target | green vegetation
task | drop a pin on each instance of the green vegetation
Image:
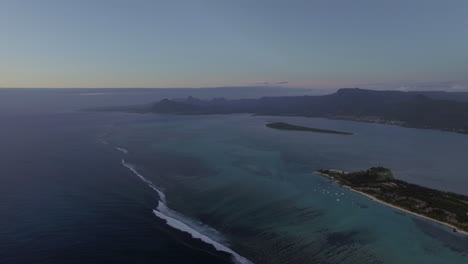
(286, 126)
(372, 175)
(380, 183)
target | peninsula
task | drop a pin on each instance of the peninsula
(380, 185)
(286, 126)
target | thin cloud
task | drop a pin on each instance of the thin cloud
(269, 83)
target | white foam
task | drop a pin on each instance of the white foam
(179, 225)
(124, 151)
(162, 197)
(182, 223)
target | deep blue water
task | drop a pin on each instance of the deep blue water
(65, 196)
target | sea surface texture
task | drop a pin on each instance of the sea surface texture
(95, 187)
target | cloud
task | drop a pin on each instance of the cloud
(268, 83)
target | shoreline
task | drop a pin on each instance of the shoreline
(291, 127)
(454, 228)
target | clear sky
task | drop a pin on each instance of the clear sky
(191, 43)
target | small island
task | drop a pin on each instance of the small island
(380, 185)
(286, 126)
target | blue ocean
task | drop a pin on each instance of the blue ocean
(101, 187)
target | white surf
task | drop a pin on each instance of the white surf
(182, 223)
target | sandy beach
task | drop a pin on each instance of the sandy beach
(394, 206)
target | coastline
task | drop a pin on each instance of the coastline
(291, 127)
(388, 123)
(395, 123)
(456, 229)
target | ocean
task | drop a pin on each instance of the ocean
(99, 187)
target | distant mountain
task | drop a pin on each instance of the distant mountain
(409, 109)
(440, 95)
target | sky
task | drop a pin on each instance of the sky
(382, 44)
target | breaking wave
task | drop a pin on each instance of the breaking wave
(124, 151)
(183, 223)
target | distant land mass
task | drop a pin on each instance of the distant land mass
(286, 126)
(433, 110)
(379, 184)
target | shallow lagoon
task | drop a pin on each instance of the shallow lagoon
(255, 185)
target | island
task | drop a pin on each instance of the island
(380, 185)
(427, 110)
(286, 126)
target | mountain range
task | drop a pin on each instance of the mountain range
(436, 110)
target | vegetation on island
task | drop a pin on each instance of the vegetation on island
(435, 110)
(286, 126)
(380, 183)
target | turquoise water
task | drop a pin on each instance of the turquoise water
(65, 196)
(253, 189)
